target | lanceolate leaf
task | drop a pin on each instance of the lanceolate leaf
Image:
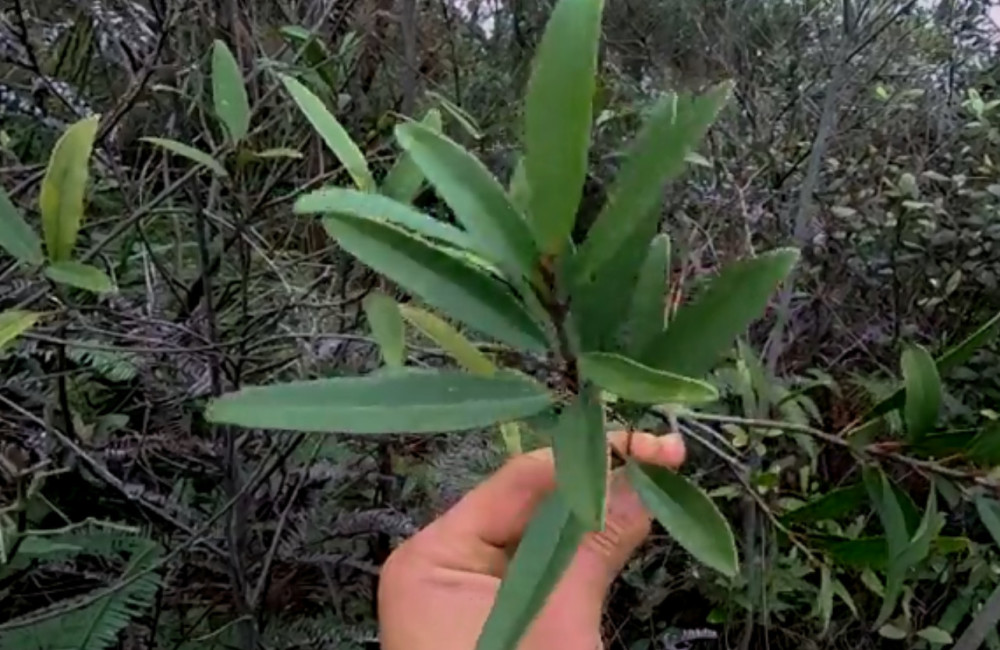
(638, 383)
(16, 236)
(984, 448)
(404, 180)
(406, 401)
(989, 514)
(923, 392)
(518, 189)
(443, 281)
(546, 549)
(335, 200)
(952, 358)
(79, 275)
(558, 116)
(228, 92)
(834, 504)
(474, 195)
(598, 301)
(314, 53)
(64, 187)
(333, 134)
(687, 514)
(706, 327)
(14, 323)
(675, 125)
(646, 318)
(387, 327)
(889, 512)
(451, 340)
(580, 448)
(196, 156)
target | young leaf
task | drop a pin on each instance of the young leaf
(598, 301)
(333, 134)
(546, 549)
(64, 187)
(580, 448)
(228, 92)
(989, 514)
(474, 195)
(386, 324)
(405, 401)
(405, 180)
(451, 340)
(704, 328)
(935, 635)
(196, 156)
(336, 200)
(510, 433)
(457, 113)
(649, 301)
(675, 125)
(923, 391)
(79, 275)
(14, 323)
(440, 279)
(558, 116)
(518, 190)
(16, 236)
(687, 513)
(638, 383)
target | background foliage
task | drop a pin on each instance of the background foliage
(861, 132)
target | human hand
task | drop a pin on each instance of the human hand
(438, 587)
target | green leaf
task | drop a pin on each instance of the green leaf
(335, 200)
(647, 318)
(892, 632)
(834, 504)
(518, 189)
(229, 94)
(79, 275)
(825, 598)
(635, 382)
(599, 301)
(457, 113)
(64, 188)
(923, 391)
(558, 117)
(952, 358)
(386, 324)
(478, 200)
(314, 53)
(543, 554)
(405, 180)
(704, 328)
(196, 156)
(14, 323)
(440, 279)
(332, 133)
(278, 152)
(450, 339)
(687, 513)
(580, 448)
(16, 236)
(405, 401)
(985, 446)
(935, 635)
(674, 127)
(989, 514)
(891, 515)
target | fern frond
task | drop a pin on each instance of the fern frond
(114, 366)
(96, 625)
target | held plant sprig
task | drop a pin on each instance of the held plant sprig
(509, 271)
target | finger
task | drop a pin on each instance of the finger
(499, 510)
